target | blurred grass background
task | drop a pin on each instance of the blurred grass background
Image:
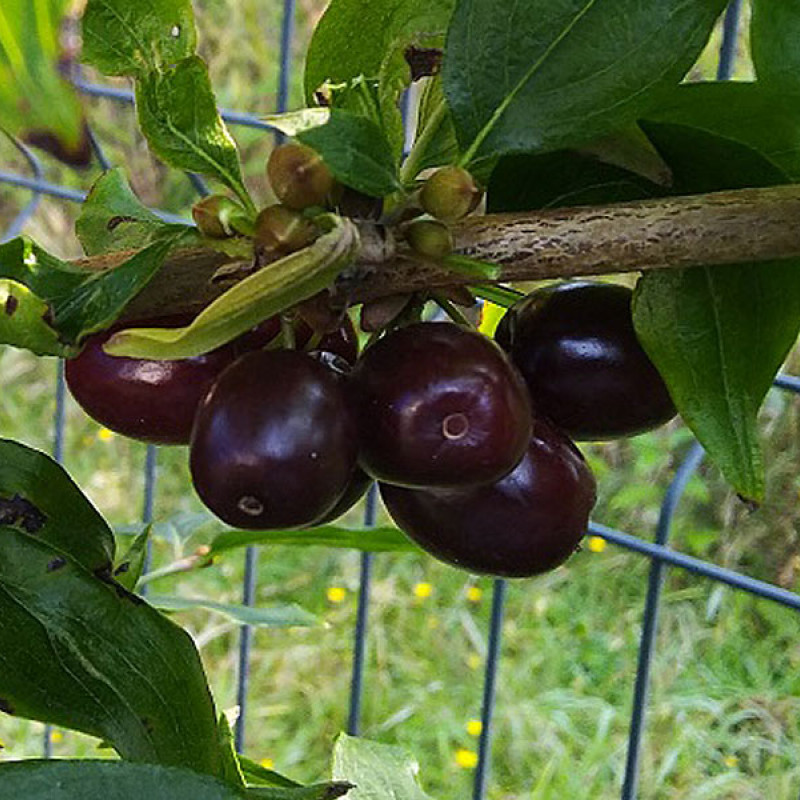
(724, 718)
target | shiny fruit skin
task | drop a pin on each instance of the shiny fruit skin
(439, 405)
(280, 231)
(576, 347)
(274, 443)
(526, 523)
(153, 401)
(356, 489)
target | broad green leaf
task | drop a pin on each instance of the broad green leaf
(293, 122)
(376, 540)
(763, 119)
(121, 37)
(230, 770)
(775, 43)
(561, 179)
(548, 74)
(80, 651)
(72, 302)
(279, 616)
(108, 780)
(356, 151)
(379, 771)
(39, 498)
(34, 97)
(130, 566)
(178, 116)
(112, 217)
(256, 774)
(353, 37)
(102, 296)
(718, 335)
(24, 321)
(268, 291)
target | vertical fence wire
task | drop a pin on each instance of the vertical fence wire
(650, 624)
(251, 553)
(490, 690)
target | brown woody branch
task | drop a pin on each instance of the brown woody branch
(721, 228)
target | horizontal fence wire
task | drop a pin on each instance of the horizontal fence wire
(658, 551)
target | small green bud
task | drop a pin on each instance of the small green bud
(280, 230)
(299, 176)
(219, 217)
(450, 194)
(429, 238)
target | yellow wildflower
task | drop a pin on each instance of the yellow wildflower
(336, 594)
(466, 759)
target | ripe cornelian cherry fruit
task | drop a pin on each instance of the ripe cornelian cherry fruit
(274, 443)
(153, 401)
(439, 405)
(576, 347)
(526, 523)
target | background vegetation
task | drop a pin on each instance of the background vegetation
(724, 718)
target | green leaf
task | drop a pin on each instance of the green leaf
(562, 179)
(24, 321)
(383, 539)
(108, 780)
(262, 776)
(291, 123)
(130, 566)
(39, 498)
(34, 97)
(379, 771)
(102, 296)
(353, 37)
(80, 651)
(548, 74)
(132, 38)
(356, 152)
(178, 116)
(763, 119)
(282, 616)
(70, 302)
(268, 291)
(112, 217)
(775, 43)
(718, 335)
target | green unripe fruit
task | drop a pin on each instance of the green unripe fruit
(429, 238)
(280, 231)
(299, 176)
(450, 194)
(219, 217)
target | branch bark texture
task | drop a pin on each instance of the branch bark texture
(749, 225)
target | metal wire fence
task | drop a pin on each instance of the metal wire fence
(661, 555)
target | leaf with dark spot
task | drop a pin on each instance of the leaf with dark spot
(56, 563)
(18, 512)
(12, 304)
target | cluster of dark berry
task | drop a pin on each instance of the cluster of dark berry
(467, 438)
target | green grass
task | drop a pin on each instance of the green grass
(724, 713)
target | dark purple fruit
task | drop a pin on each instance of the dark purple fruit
(274, 443)
(576, 347)
(154, 401)
(355, 490)
(439, 405)
(526, 523)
